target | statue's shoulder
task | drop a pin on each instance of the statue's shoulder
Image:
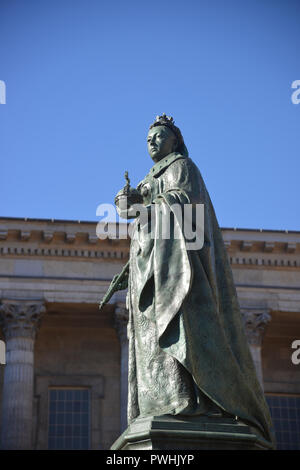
(186, 174)
(183, 163)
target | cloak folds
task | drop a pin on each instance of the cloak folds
(187, 346)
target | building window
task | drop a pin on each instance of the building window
(69, 418)
(285, 413)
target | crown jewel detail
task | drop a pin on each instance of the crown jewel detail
(164, 119)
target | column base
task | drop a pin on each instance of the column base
(169, 432)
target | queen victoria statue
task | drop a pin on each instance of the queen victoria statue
(189, 361)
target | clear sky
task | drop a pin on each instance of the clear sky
(85, 78)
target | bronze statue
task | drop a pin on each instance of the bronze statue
(188, 354)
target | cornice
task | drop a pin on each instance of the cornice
(61, 239)
(264, 250)
(262, 246)
(57, 238)
(77, 252)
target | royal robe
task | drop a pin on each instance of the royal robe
(188, 353)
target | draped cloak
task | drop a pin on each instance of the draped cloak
(188, 353)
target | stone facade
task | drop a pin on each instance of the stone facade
(53, 275)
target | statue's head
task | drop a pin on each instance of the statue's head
(164, 138)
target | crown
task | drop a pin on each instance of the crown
(164, 120)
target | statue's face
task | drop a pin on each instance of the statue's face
(160, 142)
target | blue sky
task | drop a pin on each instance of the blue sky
(85, 79)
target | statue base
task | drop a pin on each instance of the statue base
(169, 432)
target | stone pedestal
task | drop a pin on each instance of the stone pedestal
(194, 433)
(19, 321)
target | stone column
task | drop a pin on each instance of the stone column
(121, 320)
(255, 322)
(19, 322)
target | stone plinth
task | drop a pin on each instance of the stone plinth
(194, 433)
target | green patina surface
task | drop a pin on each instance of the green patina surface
(188, 354)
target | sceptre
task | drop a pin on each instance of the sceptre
(119, 279)
(115, 285)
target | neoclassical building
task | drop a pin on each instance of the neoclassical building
(64, 381)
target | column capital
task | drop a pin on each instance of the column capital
(255, 322)
(20, 318)
(121, 320)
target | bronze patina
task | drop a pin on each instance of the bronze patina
(188, 353)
